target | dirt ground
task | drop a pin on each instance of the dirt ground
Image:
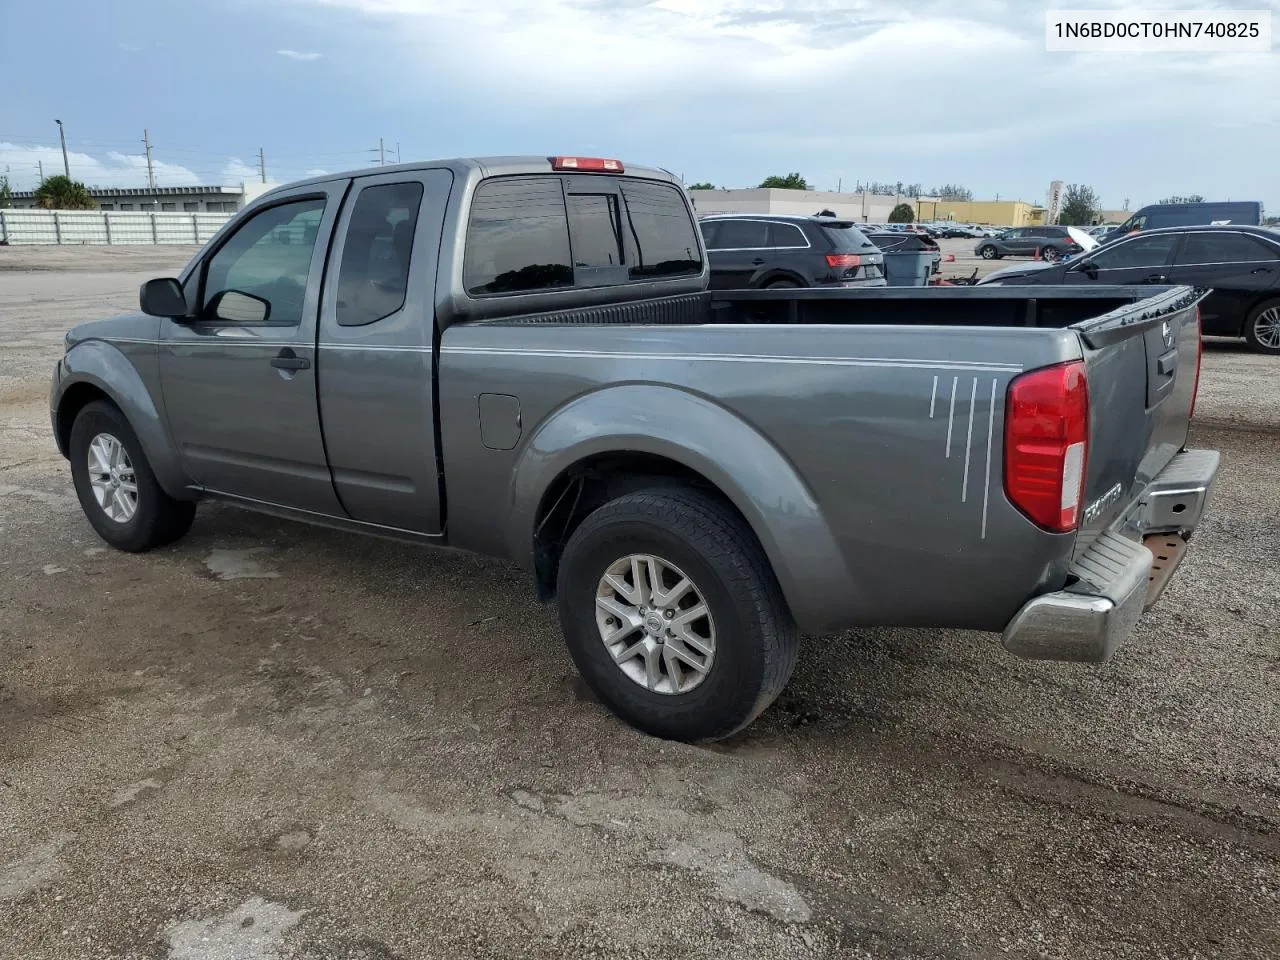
(274, 741)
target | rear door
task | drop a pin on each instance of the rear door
(376, 345)
(742, 248)
(239, 378)
(1018, 241)
(1238, 267)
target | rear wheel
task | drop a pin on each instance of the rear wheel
(781, 285)
(673, 615)
(1262, 329)
(118, 492)
(988, 252)
(1051, 254)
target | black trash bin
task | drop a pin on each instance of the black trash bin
(908, 259)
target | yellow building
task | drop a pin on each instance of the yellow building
(999, 213)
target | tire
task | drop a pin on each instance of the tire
(155, 518)
(753, 640)
(1262, 328)
(781, 285)
(989, 252)
(1050, 254)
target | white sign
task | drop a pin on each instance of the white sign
(1053, 202)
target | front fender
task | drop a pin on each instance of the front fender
(717, 444)
(103, 366)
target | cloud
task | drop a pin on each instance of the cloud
(297, 55)
(112, 170)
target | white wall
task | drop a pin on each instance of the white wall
(107, 226)
(865, 208)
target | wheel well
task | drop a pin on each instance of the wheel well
(591, 483)
(775, 275)
(77, 397)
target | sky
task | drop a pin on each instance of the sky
(727, 91)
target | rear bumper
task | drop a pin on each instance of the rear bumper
(1118, 577)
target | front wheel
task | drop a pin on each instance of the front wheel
(1262, 329)
(118, 492)
(673, 615)
(988, 252)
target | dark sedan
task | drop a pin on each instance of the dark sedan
(1240, 263)
(1053, 244)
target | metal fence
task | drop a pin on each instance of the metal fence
(107, 227)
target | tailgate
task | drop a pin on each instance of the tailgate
(1142, 362)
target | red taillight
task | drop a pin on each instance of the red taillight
(1195, 391)
(1046, 444)
(843, 260)
(586, 164)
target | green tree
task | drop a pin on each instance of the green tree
(792, 181)
(902, 213)
(1193, 198)
(63, 193)
(702, 185)
(1080, 206)
(6, 195)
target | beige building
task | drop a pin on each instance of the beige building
(862, 207)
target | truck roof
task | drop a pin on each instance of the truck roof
(484, 166)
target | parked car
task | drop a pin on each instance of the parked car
(1154, 216)
(766, 250)
(1240, 264)
(952, 231)
(520, 357)
(1053, 243)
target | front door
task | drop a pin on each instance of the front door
(239, 376)
(1137, 260)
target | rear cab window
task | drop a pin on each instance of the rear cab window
(530, 233)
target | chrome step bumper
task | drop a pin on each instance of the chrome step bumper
(1114, 581)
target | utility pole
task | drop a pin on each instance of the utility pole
(62, 135)
(40, 171)
(262, 164)
(397, 152)
(382, 153)
(151, 170)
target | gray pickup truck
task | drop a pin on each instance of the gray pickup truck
(520, 357)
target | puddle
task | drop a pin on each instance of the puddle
(240, 564)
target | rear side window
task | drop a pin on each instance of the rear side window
(663, 231)
(518, 237)
(710, 231)
(374, 274)
(786, 235)
(1223, 248)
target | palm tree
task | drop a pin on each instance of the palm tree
(63, 193)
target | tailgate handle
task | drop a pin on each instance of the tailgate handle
(1168, 364)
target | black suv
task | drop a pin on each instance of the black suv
(1054, 243)
(768, 250)
(1241, 264)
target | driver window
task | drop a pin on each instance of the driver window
(260, 274)
(1142, 252)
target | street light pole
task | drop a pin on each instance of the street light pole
(62, 135)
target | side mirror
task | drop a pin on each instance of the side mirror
(235, 306)
(163, 297)
(1086, 266)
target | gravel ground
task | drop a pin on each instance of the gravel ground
(275, 741)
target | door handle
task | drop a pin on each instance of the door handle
(1261, 270)
(1154, 278)
(286, 359)
(757, 261)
